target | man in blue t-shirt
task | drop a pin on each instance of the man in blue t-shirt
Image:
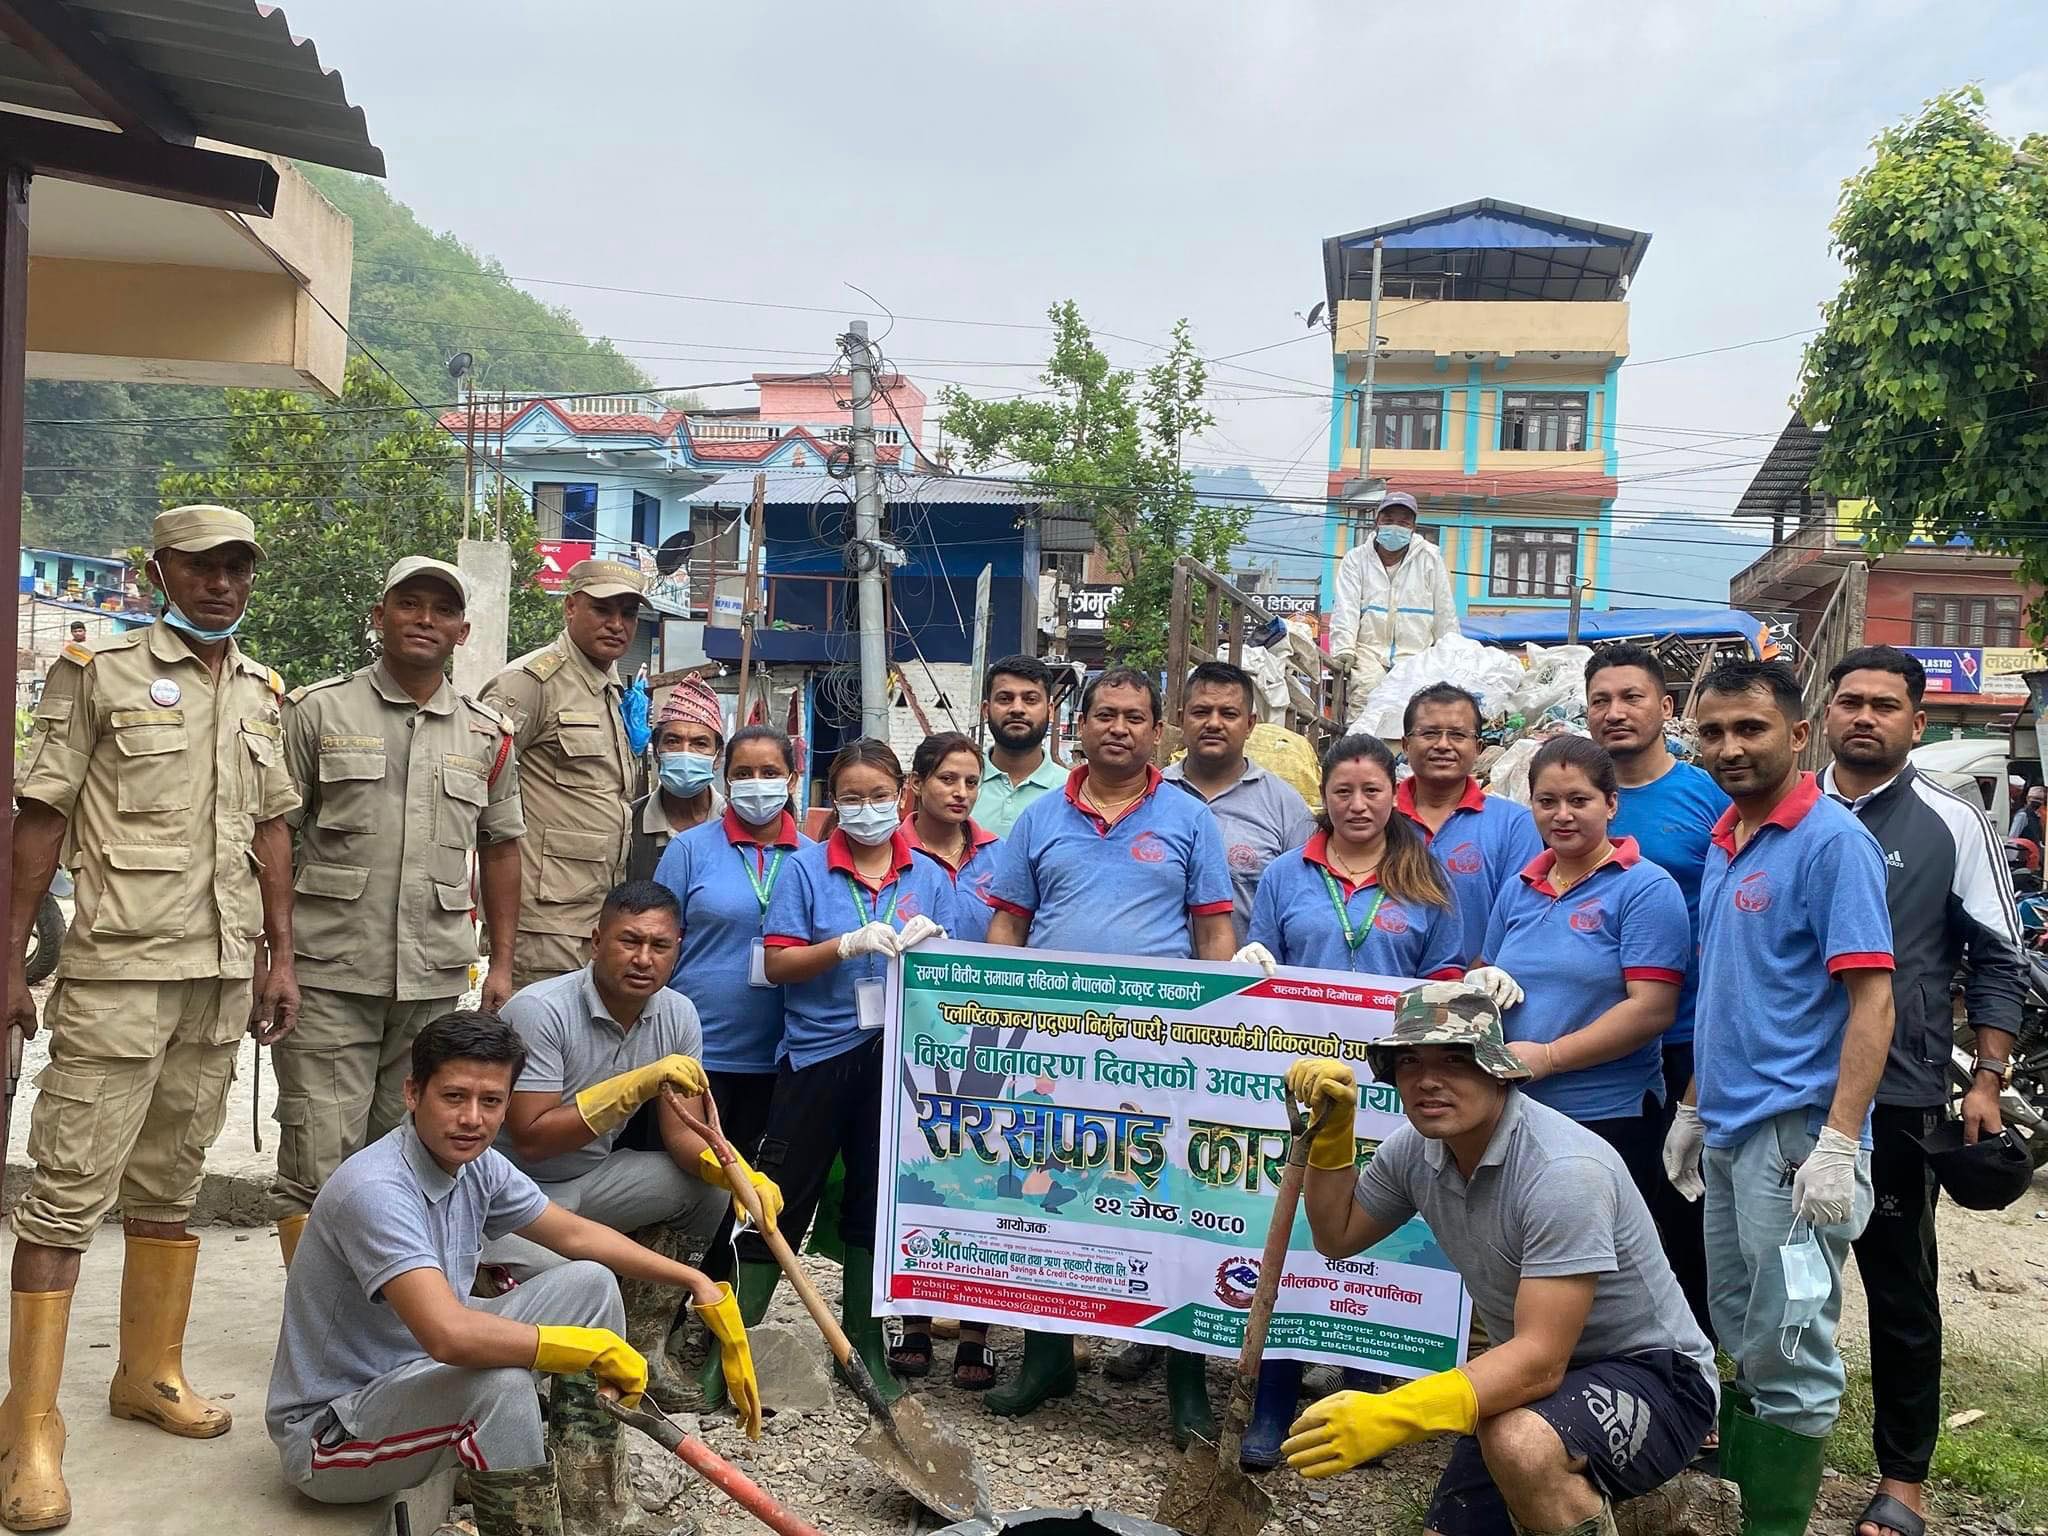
(1670, 809)
(1117, 864)
(1791, 1033)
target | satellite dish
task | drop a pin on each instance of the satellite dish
(460, 365)
(674, 553)
(1314, 317)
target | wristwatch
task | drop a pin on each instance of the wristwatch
(2000, 1069)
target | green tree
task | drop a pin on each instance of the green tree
(1108, 443)
(1931, 370)
(336, 499)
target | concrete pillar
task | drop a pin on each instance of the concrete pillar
(487, 564)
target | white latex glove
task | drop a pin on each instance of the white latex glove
(916, 931)
(1684, 1144)
(1496, 984)
(1825, 1186)
(870, 939)
(1255, 954)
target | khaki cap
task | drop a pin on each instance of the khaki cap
(607, 578)
(201, 527)
(426, 565)
(1447, 1013)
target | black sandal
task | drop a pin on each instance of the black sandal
(912, 1357)
(1888, 1514)
(973, 1355)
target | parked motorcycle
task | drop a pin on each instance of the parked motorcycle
(2024, 1102)
(47, 940)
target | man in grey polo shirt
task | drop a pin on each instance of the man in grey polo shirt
(387, 1370)
(1600, 1386)
(583, 1125)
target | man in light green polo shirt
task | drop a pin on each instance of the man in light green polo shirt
(1016, 703)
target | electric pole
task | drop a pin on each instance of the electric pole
(867, 538)
(1372, 355)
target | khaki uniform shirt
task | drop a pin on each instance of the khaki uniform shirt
(162, 772)
(396, 796)
(578, 776)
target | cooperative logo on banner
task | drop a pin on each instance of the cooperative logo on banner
(915, 1245)
(1236, 1279)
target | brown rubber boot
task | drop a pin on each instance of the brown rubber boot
(32, 1492)
(650, 1317)
(289, 1230)
(149, 1383)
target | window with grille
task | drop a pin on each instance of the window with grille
(1959, 618)
(1404, 421)
(1533, 562)
(1547, 423)
(567, 512)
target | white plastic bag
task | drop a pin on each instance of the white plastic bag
(1493, 675)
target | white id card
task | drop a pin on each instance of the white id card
(757, 965)
(867, 1002)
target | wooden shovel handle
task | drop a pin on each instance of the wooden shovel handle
(1274, 1259)
(750, 1201)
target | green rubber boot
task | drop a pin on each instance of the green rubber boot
(1778, 1472)
(1047, 1372)
(516, 1501)
(863, 1328)
(1187, 1398)
(754, 1285)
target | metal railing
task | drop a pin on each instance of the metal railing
(1839, 631)
(1208, 621)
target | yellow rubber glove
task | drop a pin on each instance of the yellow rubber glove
(722, 1318)
(769, 1191)
(610, 1104)
(1330, 1090)
(1348, 1429)
(564, 1351)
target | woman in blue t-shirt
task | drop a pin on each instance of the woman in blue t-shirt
(1585, 953)
(1363, 894)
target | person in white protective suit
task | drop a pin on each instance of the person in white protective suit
(1393, 598)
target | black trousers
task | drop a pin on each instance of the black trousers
(832, 1108)
(1639, 1142)
(742, 1099)
(1896, 1258)
(1681, 1223)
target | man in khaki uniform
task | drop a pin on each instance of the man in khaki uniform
(401, 778)
(156, 770)
(577, 770)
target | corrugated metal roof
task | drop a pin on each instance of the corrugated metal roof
(1786, 471)
(233, 67)
(801, 490)
(1492, 249)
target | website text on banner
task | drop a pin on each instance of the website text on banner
(1094, 1147)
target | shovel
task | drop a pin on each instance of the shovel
(713, 1468)
(1209, 1494)
(918, 1454)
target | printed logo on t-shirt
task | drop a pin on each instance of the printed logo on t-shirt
(1391, 920)
(906, 905)
(1586, 916)
(1243, 856)
(983, 881)
(1465, 859)
(1148, 848)
(1753, 892)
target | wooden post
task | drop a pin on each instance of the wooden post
(754, 518)
(14, 180)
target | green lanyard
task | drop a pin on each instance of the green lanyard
(868, 915)
(1352, 939)
(764, 884)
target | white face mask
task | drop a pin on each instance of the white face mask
(758, 801)
(1808, 1284)
(869, 825)
(1393, 538)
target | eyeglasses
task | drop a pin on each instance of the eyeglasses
(875, 803)
(1434, 734)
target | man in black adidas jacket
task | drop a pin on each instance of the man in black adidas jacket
(1951, 903)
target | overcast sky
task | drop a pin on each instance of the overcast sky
(977, 162)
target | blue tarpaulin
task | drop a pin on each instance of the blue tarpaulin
(1546, 626)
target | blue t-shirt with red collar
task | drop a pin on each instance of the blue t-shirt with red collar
(1482, 845)
(1672, 820)
(819, 897)
(1306, 913)
(1128, 889)
(1574, 956)
(970, 881)
(1802, 902)
(724, 881)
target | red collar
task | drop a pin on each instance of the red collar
(1788, 813)
(839, 857)
(1404, 800)
(1316, 851)
(1075, 779)
(1537, 872)
(736, 830)
(978, 838)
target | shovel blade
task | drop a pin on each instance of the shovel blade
(1209, 1495)
(926, 1460)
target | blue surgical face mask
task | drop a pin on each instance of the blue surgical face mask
(758, 801)
(1392, 537)
(1808, 1284)
(183, 625)
(685, 773)
(870, 825)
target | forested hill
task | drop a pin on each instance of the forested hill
(417, 297)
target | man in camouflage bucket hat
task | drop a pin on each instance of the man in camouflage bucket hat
(1600, 1386)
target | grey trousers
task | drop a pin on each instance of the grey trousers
(411, 1423)
(627, 1191)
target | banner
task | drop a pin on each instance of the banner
(1090, 1144)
